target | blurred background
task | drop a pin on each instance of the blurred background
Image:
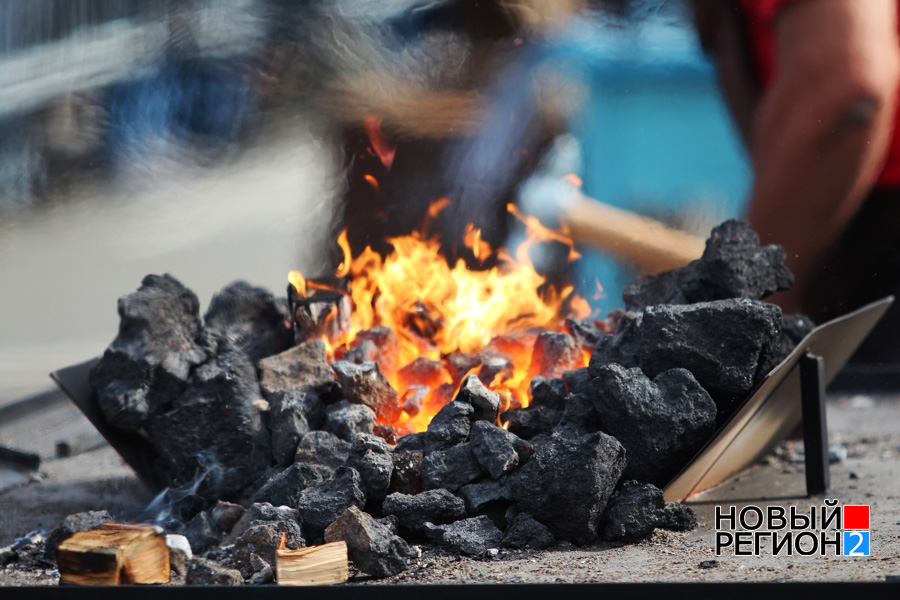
(213, 140)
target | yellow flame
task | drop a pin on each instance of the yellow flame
(436, 308)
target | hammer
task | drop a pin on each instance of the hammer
(650, 245)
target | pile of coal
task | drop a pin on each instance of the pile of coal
(272, 440)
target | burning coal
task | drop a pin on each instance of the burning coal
(444, 321)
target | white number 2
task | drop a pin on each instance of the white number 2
(855, 551)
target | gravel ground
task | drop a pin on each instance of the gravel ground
(870, 474)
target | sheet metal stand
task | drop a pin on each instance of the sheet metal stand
(815, 430)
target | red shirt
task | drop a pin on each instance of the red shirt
(759, 16)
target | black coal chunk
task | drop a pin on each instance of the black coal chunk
(485, 402)
(323, 451)
(303, 366)
(421, 372)
(732, 266)
(433, 506)
(202, 571)
(293, 414)
(459, 364)
(202, 532)
(723, 343)
(320, 504)
(449, 427)
(567, 483)
(284, 488)
(371, 545)
(553, 354)
(633, 512)
(406, 477)
(661, 423)
(623, 346)
(345, 419)
(252, 318)
(530, 422)
(494, 448)
(578, 381)
(365, 384)
(550, 393)
(216, 427)
(479, 495)
(372, 458)
(379, 344)
(225, 515)
(679, 517)
(473, 536)
(262, 539)
(793, 329)
(579, 416)
(525, 532)
(148, 364)
(263, 572)
(260, 512)
(411, 442)
(494, 363)
(83, 521)
(585, 331)
(449, 469)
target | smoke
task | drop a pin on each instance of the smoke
(172, 504)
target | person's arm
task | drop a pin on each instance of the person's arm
(823, 127)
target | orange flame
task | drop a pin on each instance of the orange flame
(437, 309)
(381, 144)
(296, 279)
(472, 240)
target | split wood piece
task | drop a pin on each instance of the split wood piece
(114, 554)
(316, 565)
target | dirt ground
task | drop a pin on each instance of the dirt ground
(865, 427)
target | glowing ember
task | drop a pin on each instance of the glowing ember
(439, 311)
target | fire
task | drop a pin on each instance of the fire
(381, 144)
(438, 310)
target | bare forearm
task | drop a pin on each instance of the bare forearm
(813, 172)
(821, 133)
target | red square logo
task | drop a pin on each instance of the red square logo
(856, 516)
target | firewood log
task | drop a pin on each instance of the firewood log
(114, 554)
(317, 565)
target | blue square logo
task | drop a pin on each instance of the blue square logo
(856, 543)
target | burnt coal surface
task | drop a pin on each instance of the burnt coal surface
(567, 484)
(733, 265)
(725, 344)
(293, 414)
(252, 318)
(661, 423)
(372, 546)
(151, 359)
(216, 428)
(437, 506)
(303, 366)
(365, 384)
(473, 536)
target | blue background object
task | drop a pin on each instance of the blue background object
(656, 137)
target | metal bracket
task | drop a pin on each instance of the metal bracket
(815, 430)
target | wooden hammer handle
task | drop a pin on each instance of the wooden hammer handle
(652, 246)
